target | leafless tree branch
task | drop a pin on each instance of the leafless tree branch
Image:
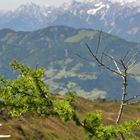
(132, 98)
(99, 62)
(125, 56)
(82, 57)
(98, 45)
(129, 62)
(121, 68)
(115, 62)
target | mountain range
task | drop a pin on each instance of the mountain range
(118, 18)
(56, 48)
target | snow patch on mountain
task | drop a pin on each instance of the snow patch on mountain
(94, 11)
(116, 18)
(128, 2)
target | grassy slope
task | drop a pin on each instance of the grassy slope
(39, 128)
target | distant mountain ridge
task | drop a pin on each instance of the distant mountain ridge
(55, 49)
(121, 19)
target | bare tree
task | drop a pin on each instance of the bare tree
(119, 66)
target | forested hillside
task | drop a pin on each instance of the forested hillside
(57, 49)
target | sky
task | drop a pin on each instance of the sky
(12, 4)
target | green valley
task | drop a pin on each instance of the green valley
(57, 48)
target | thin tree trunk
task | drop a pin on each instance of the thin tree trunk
(124, 81)
(123, 99)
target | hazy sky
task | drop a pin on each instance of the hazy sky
(12, 4)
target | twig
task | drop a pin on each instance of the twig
(132, 98)
(99, 62)
(125, 56)
(98, 45)
(82, 57)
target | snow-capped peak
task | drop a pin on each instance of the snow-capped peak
(112, 15)
(124, 2)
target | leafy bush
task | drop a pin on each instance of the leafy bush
(63, 109)
(28, 93)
